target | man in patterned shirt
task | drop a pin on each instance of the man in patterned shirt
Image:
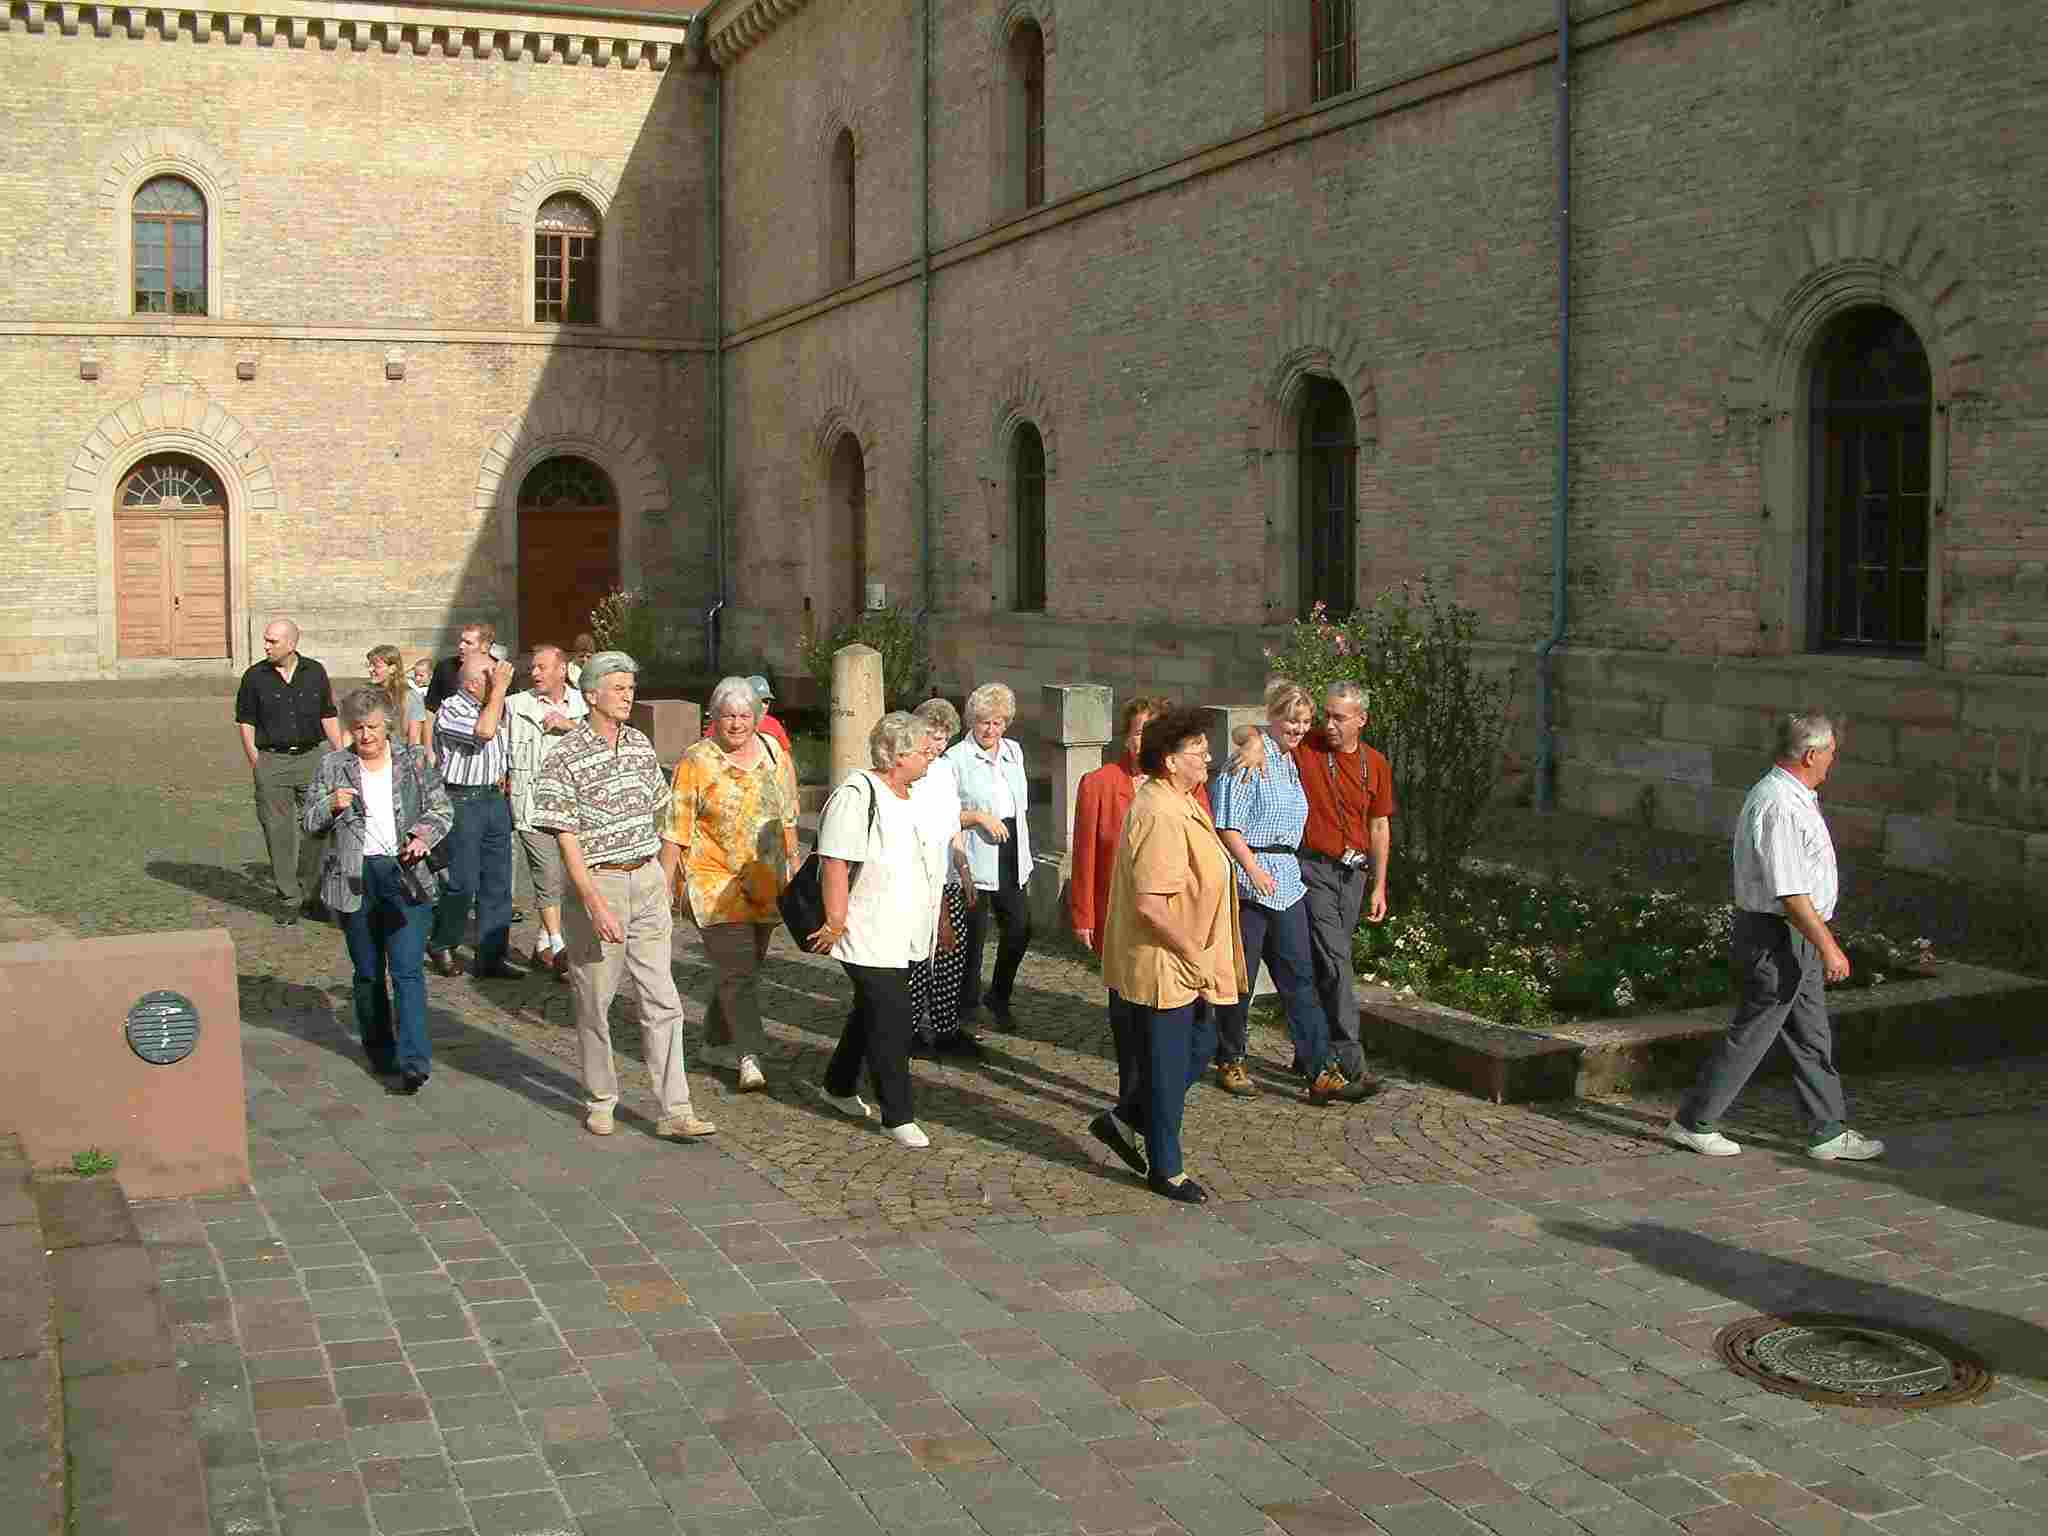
(602, 793)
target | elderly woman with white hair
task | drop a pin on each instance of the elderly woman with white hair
(993, 802)
(732, 823)
(881, 919)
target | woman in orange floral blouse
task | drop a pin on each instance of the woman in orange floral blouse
(733, 821)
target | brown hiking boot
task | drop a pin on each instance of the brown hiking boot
(1328, 1087)
(1232, 1078)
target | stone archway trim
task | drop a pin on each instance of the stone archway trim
(1319, 341)
(597, 180)
(554, 428)
(171, 419)
(1013, 15)
(168, 152)
(1020, 398)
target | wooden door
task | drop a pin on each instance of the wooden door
(568, 550)
(199, 587)
(142, 585)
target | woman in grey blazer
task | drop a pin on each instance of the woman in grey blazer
(386, 808)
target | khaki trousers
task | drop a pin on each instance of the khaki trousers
(736, 951)
(639, 900)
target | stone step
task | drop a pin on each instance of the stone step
(133, 1454)
(31, 1413)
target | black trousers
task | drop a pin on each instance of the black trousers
(877, 1033)
(1013, 922)
(1133, 1063)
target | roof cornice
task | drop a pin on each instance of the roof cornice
(736, 25)
(425, 31)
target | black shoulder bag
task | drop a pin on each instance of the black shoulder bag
(802, 902)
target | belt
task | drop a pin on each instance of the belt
(623, 869)
(461, 791)
(292, 751)
(1288, 848)
(1321, 857)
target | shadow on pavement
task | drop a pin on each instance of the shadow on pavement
(1768, 1284)
(217, 883)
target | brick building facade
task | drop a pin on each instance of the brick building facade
(1107, 332)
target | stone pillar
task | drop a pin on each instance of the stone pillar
(856, 706)
(1077, 721)
(673, 725)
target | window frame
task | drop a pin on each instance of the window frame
(842, 211)
(1031, 88)
(1326, 536)
(581, 274)
(1029, 533)
(170, 224)
(1332, 58)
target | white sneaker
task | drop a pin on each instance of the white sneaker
(1848, 1147)
(751, 1079)
(908, 1134)
(599, 1121)
(1706, 1143)
(853, 1104)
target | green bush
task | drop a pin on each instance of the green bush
(1437, 719)
(906, 664)
(626, 621)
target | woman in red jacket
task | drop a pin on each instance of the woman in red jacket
(1100, 804)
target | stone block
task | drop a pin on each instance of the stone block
(1984, 855)
(1676, 761)
(673, 725)
(75, 1083)
(1719, 725)
(1077, 714)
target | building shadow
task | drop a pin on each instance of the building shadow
(216, 882)
(1765, 1283)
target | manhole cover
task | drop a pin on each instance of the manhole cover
(1851, 1361)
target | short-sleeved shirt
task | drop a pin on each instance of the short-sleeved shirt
(1170, 848)
(892, 912)
(735, 823)
(1782, 848)
(286, 715)
(935, 798)
(1346, 793)
(530, 743)
(1268, 810)
(611, 795)
(465, 758)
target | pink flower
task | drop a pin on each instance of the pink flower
(1343, 645)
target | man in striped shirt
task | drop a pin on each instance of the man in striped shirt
(469, 743)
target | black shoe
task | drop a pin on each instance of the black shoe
(384, 1069)
(1104, 1128)
(1187, 1191)
(410, 1083)
(314, 910)
(442, 961)
(959, 1043)
(288, 914)
(518, 916)
(999, 1010)
(499, 972)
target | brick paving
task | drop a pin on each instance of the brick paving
(460, 1312)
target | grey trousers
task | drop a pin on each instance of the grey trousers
(1336, 895)
(282, 780)
(1782, 994)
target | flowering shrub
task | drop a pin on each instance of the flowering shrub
(625, 621)
(1528, 952)
(896, 633)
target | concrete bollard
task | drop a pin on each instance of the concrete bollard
(856, 706)
(1077, 717)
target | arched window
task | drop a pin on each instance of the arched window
(1027, 521)
(839, 251)
(845, 572)
(1329, 498)
(565, 236)
(1872, 394)
(1333, 48)
(170, 248)
(1027, 83)
(568, 548)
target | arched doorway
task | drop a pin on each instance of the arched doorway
(1872, 397)
(171, 561)
(844, 574)
(568, 548)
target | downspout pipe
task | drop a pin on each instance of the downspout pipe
(1546, 661)
(694, 39)
(924, 329)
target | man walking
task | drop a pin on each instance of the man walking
(536, 721)
(602, 793)
(1344, 847)
(1782, 954)
(284, 710)
(469, 743)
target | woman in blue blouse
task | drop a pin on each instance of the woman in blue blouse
(993, 801)
(1259, 814)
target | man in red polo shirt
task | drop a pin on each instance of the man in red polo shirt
(1344, 848)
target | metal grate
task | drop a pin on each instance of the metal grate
(163, 1027)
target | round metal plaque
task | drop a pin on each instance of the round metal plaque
(163, 1027)
(1852, 1361)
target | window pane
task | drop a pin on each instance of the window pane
(582, 278)
(567, 212)
(1028, 534)
(170, 194)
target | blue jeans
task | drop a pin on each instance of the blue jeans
(1281, 940)
(387, 938)
(479, 870)
(1178, 1044)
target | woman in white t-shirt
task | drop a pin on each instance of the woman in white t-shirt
(882, 877)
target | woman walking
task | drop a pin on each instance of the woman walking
(935, 982)
(993, 800)
(1170, 948)
(387, 808)
(881, 920)
(729, 846)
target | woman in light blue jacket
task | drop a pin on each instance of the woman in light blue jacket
(387, 808)
(993, 801)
